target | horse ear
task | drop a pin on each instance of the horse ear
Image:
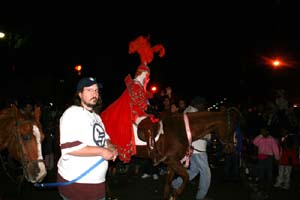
(15, 110)
(14, 107)
(37, 112)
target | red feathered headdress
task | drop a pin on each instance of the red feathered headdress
(142, 46)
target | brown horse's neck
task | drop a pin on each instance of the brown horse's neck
(205, 123)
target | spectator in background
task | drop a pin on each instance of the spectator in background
(199, 160)
(169, 94)
(288, 159)
(158, 100)
(250, 157)
(150, 170)
(174, 108)
(233, 157)
(268, 152)
(181, 105)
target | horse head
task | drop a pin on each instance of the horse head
(150, 130)
(24, 137)
(233, 120)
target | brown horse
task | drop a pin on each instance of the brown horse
(21, 136)
(173, 143)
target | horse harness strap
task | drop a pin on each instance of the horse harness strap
(186, 159)
(152, 139)
(188, 129)
(198, 150)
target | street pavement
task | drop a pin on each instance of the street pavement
(132, 187)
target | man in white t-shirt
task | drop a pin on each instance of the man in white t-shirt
(84, 142)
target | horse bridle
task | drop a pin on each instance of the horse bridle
(228, 141)
(24, 163)
(151, 140)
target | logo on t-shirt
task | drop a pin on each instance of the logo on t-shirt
(99, 135)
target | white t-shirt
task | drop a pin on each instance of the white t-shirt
(201, 144)
(79, 128)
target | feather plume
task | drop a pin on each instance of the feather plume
(142, 46)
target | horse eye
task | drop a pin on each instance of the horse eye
(26, 137)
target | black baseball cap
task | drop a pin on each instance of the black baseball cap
(86, 82)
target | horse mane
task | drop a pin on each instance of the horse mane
(6, 113)
(7, 116)
(14, 112)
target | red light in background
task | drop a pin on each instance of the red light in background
(78, 68)
(153, 89)
(277, 62)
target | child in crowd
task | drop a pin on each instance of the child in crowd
(288, 159)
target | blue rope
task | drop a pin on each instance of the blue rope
(69, 182)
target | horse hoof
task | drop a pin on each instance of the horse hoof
(172, 198)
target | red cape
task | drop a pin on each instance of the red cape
(118, 124)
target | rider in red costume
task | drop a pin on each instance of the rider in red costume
(120, 116)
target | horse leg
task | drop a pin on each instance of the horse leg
(179, 169)
(169, 178)
(182, 173)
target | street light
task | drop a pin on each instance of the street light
(276, 63)
(2, 35)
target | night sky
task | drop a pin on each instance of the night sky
(212, 49)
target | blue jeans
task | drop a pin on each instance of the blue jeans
(198, 165)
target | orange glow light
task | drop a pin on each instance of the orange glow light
(78, 68)
(276, 63)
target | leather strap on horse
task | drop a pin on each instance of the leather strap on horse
(152, 146)
(151, 140)
(20, 149)
(153, 152)
(186, 159)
